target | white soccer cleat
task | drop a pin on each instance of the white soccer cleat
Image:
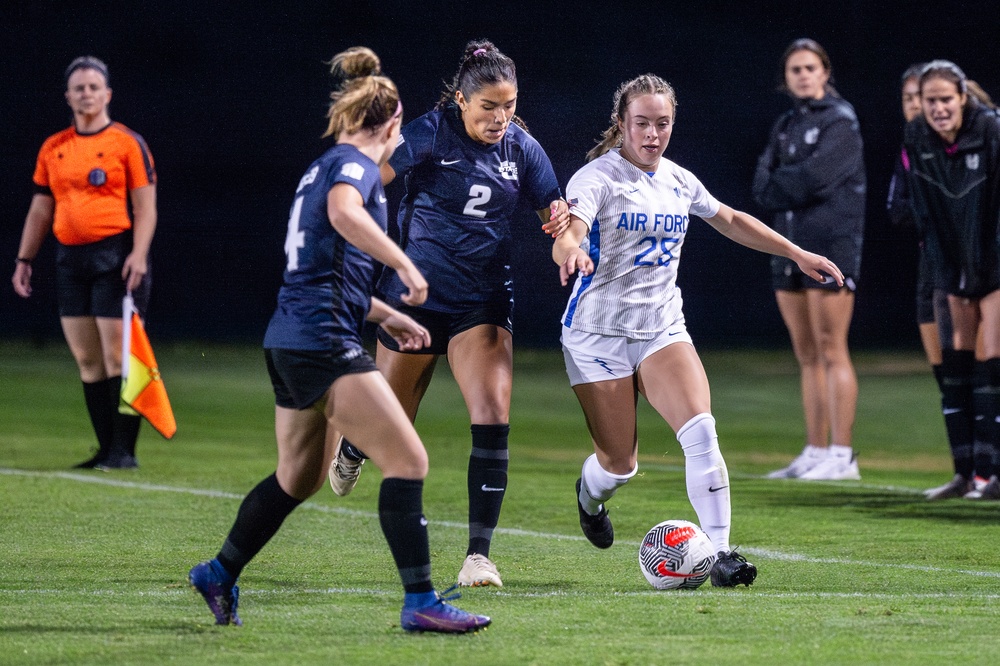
(805, 461)
(835, 468)
(344, 472)
(479, 571)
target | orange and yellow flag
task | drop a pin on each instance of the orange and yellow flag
(143, 392)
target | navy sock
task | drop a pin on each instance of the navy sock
(488, 464)
(957, 370)
(401, 514)
(351, 452)
(262, 512)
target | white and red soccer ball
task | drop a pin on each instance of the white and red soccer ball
(676, 554)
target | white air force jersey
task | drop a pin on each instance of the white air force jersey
(637, 227)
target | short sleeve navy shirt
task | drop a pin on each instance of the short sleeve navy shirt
(328, 282)
(455, 216)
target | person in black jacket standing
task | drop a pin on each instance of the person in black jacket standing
(811, 178)
(954, 180)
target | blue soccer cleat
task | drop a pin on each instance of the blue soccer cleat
(222, 597)
(441, 617)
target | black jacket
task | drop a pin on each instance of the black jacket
(955, 195)
(811, 176)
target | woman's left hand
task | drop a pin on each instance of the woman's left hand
(820, 268)
(134, 270)
(408, 334)
(558, 218)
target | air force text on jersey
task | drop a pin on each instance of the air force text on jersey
(653, 222)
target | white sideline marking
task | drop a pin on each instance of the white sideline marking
(756, 593)
(757, 552)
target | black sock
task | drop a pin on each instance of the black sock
(957, 369)
(487, 483)
(260, 515)
(987, 393)
(401, 514)
(352, 452)
(126, 426)
(101, 417)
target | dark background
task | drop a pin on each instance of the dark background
(231, 100)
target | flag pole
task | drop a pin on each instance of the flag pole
(128, 307)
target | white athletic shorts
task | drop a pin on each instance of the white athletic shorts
(591, 357)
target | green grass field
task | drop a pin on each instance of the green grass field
(93, 565)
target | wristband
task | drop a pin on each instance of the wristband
(22, 260)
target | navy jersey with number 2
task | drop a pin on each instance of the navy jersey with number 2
(455, 216)
(327, 287)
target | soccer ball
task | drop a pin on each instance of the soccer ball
(676, 554)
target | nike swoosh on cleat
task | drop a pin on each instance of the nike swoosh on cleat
(951, 410)
(488, 489)
(715, 490)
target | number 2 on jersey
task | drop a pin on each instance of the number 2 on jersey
(479, 195)
(650, 244)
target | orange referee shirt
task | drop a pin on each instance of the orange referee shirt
(90, 176)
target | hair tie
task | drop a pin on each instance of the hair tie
(478, 52)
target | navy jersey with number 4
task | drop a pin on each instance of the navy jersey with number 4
(327, 287)
(455, 216)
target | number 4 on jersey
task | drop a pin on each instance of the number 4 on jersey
(295, 238)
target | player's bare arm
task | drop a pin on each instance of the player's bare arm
(748, 231)
(348, 216)
(566, 251)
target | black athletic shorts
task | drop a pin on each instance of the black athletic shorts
(89, 278)
(301, 377)
(443, 326)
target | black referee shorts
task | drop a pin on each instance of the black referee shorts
(89, 278)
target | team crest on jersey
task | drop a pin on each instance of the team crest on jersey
(308, 178)
(972, 161)
(811, 136)
(508, 170)
(353, 170)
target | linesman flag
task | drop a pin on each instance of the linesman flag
(143, 392)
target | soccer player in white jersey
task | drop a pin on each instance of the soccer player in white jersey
(623, 330)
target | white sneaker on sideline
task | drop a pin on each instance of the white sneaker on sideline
(344, 472)
(805, 461)
(835, 467)
(479, 571)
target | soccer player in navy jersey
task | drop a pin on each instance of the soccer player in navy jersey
(322, 376)
(469, 165)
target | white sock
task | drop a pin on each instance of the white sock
(840, 451)
(707, 478)
(813, 451)
(598, 485)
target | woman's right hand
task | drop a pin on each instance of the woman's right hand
(576, 260)
(414, 282)
(22, 279)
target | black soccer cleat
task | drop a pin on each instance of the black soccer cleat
(597, 529)
(732, 569)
